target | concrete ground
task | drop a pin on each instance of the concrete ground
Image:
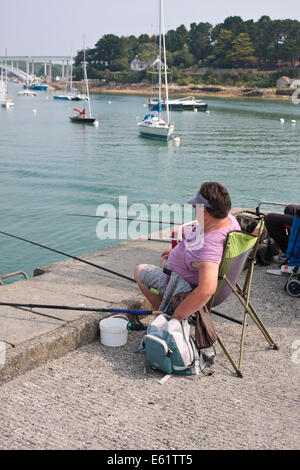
(62, 389)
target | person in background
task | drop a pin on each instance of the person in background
(197, 267)
(278, 229)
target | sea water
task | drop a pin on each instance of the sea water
(55, 174)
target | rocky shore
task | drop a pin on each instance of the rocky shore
(199, 91)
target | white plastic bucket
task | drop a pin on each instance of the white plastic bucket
(113, 331)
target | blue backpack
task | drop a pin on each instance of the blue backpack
(170, 348)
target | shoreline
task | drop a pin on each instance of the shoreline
(204, 91)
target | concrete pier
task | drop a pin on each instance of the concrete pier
(123, 407)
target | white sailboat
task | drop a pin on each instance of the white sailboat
(2, 87)
(156, 126)
(81, 116)
(6, 102)
(73, 95)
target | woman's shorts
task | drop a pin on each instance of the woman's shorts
(153, 277)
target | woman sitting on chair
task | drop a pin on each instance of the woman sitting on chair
(197, 257)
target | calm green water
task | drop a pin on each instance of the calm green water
(51, 168)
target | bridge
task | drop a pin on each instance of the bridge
(30, 61)
(17, 72)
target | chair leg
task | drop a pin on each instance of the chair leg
(243, 339)
(253, 314)
(255, 317)
(237, 371)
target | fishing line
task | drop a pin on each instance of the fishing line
(161, 222)
(69, 256)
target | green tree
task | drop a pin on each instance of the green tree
(172, 41)
(108, 49)
(222, 47)
(147, 51)
(242, 51)
(289, 46)
(182, 59)
(200, 40)
(265, 40)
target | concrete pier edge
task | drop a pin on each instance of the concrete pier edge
(61, 341)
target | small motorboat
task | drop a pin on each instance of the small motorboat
(37, 86)
(190, 103)
(26, 92)
(7, 103)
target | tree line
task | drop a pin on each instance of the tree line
(263, 45)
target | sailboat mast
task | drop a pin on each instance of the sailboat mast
(6, 76)
(87, 83)
(159, 70)
(71, 78)
(165, 64)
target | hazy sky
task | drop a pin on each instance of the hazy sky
(57, 27)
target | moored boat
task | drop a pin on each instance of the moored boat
(190, 103)
(78, 115)
(26, 92)
(7, 103)
(156, 126)
(81, 117)
(37, 86)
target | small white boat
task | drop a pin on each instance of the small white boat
(7, 103)
(26, 93)
(156, 126)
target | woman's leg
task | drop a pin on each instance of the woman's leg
(154, 299)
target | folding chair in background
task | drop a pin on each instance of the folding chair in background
(239, 248)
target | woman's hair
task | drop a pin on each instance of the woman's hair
(218, 197)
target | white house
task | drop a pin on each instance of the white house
(283, 82)
(137, 64)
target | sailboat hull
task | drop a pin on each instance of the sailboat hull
(82, 120)
(62, 97)
(155, 131)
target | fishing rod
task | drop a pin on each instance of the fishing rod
(69, 256)
(106, 310)
(81, 309)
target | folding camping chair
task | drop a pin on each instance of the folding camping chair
(239, 247)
